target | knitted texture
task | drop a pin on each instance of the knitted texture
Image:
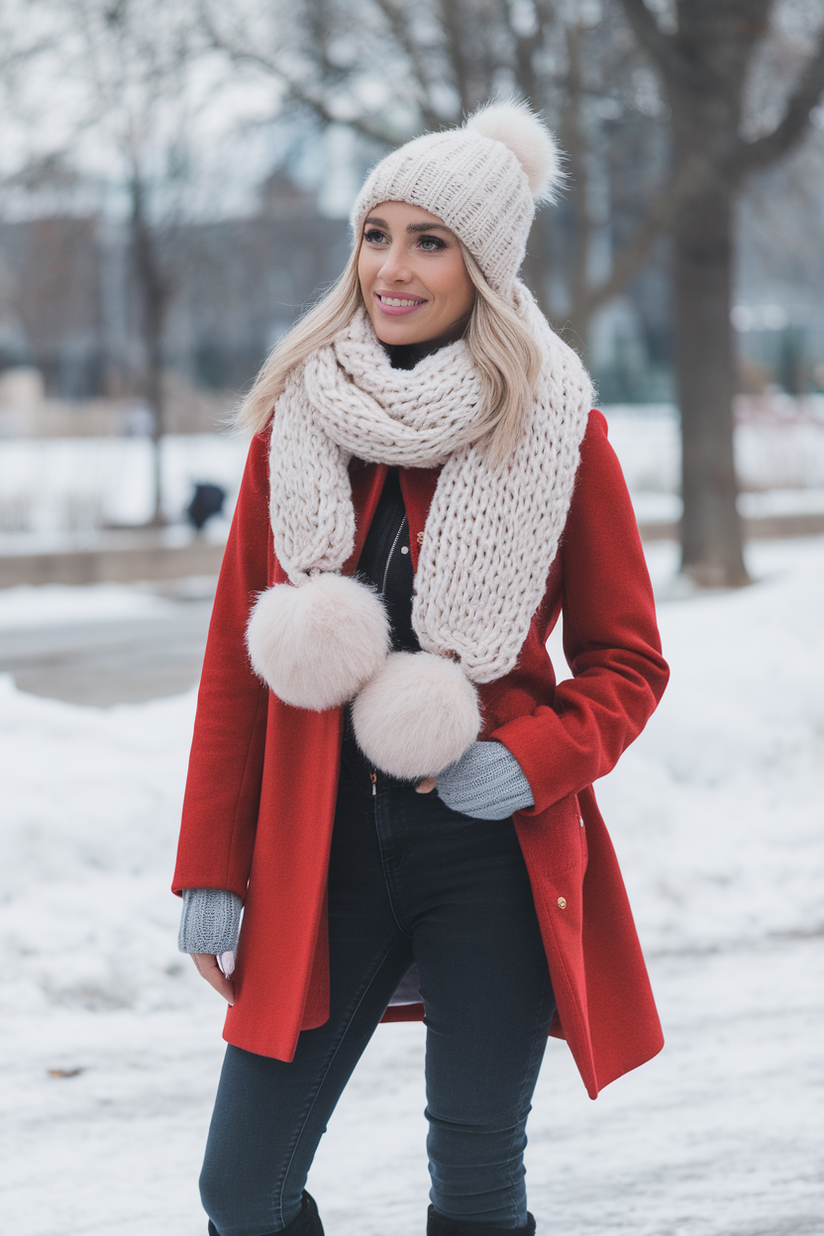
(487, 783)
(492, 532)
(209, 921)
(481, 179)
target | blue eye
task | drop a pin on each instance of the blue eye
(373, 234)
(431, 243)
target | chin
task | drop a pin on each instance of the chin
(396, 334)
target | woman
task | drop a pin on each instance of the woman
(384, 772)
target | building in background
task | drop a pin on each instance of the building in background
(68, 307)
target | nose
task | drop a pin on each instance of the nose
(395, 267)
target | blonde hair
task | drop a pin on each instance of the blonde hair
(503, 351)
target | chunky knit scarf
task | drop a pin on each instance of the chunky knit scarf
(491, 534)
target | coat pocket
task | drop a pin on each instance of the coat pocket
(563, 836)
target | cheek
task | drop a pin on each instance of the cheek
(369, 263)
(468, 298)
(458, 286)
(464, 297)
(362, 273)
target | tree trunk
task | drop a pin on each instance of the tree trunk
(575, 143)
(704, 67)
(711, 536)
(156, 401)
(154, 297)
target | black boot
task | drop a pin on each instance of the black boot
(439, 1225)
(307, 1223)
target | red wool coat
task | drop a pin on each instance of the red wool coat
(260, 795)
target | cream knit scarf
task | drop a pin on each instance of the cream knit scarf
(492, 532)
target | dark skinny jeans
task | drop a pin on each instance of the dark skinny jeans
(409, 882)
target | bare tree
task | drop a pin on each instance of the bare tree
(705, 62)
(133, 59)
(123, 67)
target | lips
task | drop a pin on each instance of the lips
(398, 306)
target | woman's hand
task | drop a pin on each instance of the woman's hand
(486, 783)
(211, 971)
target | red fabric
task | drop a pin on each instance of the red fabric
(260, 795)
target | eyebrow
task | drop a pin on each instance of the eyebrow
(414, 228)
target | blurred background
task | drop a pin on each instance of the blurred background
(174, 186)
(175, 180)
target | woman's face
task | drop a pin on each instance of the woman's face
(412, 275)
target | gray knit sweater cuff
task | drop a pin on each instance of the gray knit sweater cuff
(486, 783)
(210, 921)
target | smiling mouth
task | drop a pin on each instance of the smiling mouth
(398, 302)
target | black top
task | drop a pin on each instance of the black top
(386, 562)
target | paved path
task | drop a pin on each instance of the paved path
(122, 661)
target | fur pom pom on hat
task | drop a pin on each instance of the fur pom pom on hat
(483, 179)
(528, 138)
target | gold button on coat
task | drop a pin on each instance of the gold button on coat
(562, 902)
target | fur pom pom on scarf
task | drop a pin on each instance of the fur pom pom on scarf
(491, 536)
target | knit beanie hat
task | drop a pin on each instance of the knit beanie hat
(483, 179)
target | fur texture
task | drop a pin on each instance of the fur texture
(416, 716)
(316, 645)
(520, 130)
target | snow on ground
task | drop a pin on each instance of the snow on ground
(51, 605)
(717, 816)
(57, 493)
(727, 782)
(779, 445)
(51, 486)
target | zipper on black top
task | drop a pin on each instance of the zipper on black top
(385, 562)
(391, 552)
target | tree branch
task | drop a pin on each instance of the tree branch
(10, 58)
(750, 156)
(661, 47)
(694, 177)
(297, 90)
(525, 47)
(698, 174)
(576, 148)
(402, 33)
(451, 24)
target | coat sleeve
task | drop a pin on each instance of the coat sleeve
(611, 639)
(220, 805)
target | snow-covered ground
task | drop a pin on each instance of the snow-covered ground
(57, 493)
(779, 452)
(52, 605)
(112, 1044)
